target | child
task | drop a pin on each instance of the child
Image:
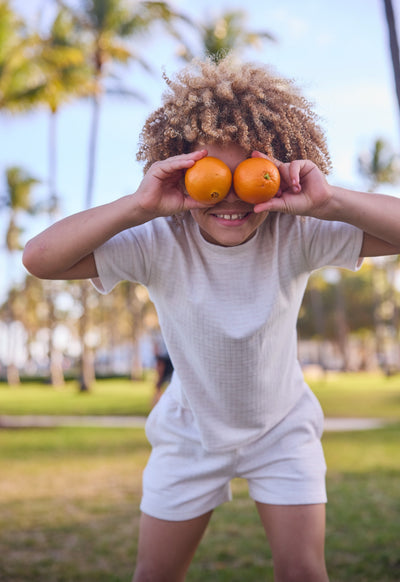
(227, 281)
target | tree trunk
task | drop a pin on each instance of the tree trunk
(55, 358)
(12, 375)
(319, 323)
(94, 131)
(394, 46)
(342, 326)
(87, 373)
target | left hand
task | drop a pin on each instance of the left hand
(304, 189)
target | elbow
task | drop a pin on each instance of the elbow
(32, 259)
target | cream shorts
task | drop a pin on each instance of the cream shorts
(286, 466)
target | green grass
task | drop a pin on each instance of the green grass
(69, 497)
(69, 501)
(344, 395)
(114, 397)
(359, 395)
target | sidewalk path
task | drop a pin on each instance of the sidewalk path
(42, 421)
(345, 424)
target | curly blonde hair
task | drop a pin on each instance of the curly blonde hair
(227, 102)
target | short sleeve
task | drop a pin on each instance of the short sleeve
(331, 244)
(125, 257)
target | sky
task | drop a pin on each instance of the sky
(336, 52)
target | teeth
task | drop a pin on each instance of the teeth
(231, 216)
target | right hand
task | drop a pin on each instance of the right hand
(162, 191)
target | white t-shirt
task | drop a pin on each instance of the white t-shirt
(229, 314)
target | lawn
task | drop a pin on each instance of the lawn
(359, 395)
(113, 397)
(343, 395)
(69, 497)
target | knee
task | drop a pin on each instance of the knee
(301, 571)
(150, 573)
(145, 574)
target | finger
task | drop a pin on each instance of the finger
(257, 154)
(288, 177)
(176, 163)
(295, 168)
(273, 205)
(288, 203)
(191, 204)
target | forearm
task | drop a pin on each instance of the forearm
(62, 246)
(376, 214)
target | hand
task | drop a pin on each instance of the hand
(161, 192)
(303, 191)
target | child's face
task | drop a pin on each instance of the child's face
(232, 221)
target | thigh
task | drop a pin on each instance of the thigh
(296, 534)
(166, 548)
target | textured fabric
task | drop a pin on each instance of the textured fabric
(228, 314)
(286, 466)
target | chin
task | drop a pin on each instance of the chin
(228, 240)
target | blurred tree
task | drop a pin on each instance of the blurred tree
(394, 46)
(356, 309)
(120, 319)
(16, 73)
(17, 199)
(225, 34)
(381, 165)
(63, 75)
(108, 28)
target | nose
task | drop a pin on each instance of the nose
(231, 196)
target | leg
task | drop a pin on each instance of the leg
(296, 534)
(166, 548)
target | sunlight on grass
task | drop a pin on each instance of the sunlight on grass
(115, 396)
(358, 395)
(69, 497)
(69, 510)
(343, 395)
(363, 451)
(69, 503)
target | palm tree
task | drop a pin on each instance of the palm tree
(11, 61)
(17, 199)
(394, 46)
(226, 34)
(109, 26)
(18, 79)
(381, 166)
(63, 74)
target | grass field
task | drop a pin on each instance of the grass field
(114, 397)
(69, 496)
(343, 395)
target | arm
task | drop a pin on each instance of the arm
(65, 249)
(305, 191)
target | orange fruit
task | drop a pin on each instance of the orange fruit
(208, 180)
(256, 180)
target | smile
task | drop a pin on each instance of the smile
(231, 216)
